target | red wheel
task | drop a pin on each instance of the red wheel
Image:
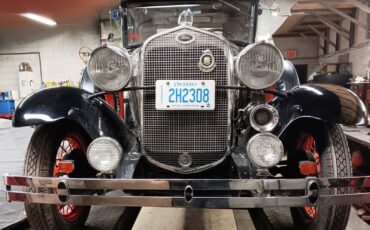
(320, 151)
(71, 142)
(49, 146)
(307, 144)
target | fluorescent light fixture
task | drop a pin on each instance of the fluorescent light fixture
(41, 19)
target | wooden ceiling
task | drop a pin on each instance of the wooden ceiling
(314, 17)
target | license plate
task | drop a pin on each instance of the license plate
(185, 95)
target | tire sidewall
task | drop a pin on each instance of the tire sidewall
(39, 161)
(326, 215)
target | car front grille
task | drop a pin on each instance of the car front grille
(204, 135)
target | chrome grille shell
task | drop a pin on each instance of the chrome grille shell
(205, 135)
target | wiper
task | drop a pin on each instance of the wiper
(234, 7)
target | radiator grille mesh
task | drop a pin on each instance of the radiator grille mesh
(167, 134)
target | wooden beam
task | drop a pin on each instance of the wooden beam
(360, 5)
(368, 24)
(305, 27)
(332, 26)
(356, 34)
(346, 16)
(333, 17)
(322, 36)
(307, 31)
(289, 24)
(313, 5)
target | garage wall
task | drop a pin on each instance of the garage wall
(9, 64)
(307, 50)
(358, 55)
(268, 24)
(58, 48)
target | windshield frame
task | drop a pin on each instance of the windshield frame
(124, 19)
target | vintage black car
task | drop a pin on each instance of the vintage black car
(192, 112)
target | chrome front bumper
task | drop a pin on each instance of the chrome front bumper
(268, 192)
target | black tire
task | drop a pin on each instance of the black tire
(39, 161)
(272, 218)
(335, 161)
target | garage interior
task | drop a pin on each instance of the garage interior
(328, 41)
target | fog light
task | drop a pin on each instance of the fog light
(104, 154)
(264, 118)
(265, 150)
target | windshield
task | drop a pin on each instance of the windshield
(231, 18)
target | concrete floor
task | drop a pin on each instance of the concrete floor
(194, 219)
(173, 219)
(106, 218)
(103, 217)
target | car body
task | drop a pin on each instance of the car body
(200, 155)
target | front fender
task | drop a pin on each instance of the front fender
(55, 104)
(329, 103)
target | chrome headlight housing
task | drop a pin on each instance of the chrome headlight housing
(264, 118)
(110, 67)
(260, 65)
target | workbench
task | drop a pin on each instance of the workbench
(359, 135)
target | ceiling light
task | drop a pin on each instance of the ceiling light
(41, 19)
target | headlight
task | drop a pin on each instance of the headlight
(110, 67)
(104, 154)
(265, 150)
(260, 65)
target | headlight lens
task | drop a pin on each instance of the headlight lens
(265, 150)
(104, 154)
(259, 66)
(110, 67)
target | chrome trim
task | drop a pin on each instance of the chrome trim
(230, 94)
(133, 95)
(270, 125)
(286, 198)
(120, 51)
(195, 202)
(196, 184)
(246, 50)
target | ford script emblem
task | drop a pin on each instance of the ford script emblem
(185, 38)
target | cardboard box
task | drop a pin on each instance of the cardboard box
(330, 68)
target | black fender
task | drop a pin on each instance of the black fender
(65, 103)
(320, 102)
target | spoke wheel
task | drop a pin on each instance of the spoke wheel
(49, 146)
(70, 143)
(307, 144)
